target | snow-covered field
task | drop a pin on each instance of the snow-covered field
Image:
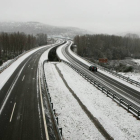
(132, 75)
(72, 119)
(137, 61)
(76, 125)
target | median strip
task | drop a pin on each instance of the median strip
(84, 108)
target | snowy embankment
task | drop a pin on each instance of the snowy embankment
(72, 119)
(59, 52)
(6, 63)
(132, 75)
(76, 125)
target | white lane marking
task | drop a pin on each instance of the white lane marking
(12, 112)
(23, 77)
(11, 88)
(28, 66)
(46, 130)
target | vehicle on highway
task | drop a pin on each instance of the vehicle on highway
(93, 68)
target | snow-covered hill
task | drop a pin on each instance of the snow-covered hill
(37, 27)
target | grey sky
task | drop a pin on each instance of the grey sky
(99, 16)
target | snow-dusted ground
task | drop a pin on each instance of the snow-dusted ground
(137, 61)
(120, 124)
(72, 119)
(78, 57)
(59, 52)
(5, 63)
(132, 75)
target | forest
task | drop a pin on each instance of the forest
(108, 46)
(13, 44)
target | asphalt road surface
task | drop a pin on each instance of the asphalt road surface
(20, 109)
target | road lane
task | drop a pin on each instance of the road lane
(24, 121)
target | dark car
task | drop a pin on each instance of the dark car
(93, 68)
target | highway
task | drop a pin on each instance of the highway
(20, 104)
(130, 95)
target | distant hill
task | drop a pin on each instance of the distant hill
(36, 27)
(130, 34)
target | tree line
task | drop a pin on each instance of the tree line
(107, 46)
(13, 44)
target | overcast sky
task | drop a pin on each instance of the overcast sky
(98, 16)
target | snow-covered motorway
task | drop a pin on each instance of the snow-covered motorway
(84, 112)
(129, 93)
(20, 102)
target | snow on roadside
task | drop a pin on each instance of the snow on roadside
(4, 76)
(78, 57)
(6, 63)
(120, 80)
(132, 75)
(73, 120)
(117, 121)
(59, 52)
(108, 74)
(137, 61)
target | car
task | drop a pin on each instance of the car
(93, 68)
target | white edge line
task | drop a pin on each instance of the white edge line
(23, 77)
(11, 88)
(12, 112)
(46, 130)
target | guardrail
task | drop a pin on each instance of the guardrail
(127, 79)
(59, 130)
(113, 96)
